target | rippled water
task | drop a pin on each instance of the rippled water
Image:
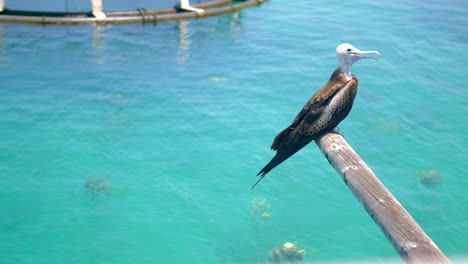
(177, 119)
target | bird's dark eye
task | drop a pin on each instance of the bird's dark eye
(349, 49)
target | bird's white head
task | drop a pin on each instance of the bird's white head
(347, 54)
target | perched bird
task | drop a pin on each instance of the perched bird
(323, 112)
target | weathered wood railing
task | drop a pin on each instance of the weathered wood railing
(213, 7)
(413, 245)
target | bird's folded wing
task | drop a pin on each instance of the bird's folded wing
(311, 111)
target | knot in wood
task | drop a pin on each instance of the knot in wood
(336, 146)
(411, 245)
(351, 167)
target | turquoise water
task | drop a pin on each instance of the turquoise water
(179, 118)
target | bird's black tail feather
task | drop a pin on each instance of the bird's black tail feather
(281, 155)
(277, 159)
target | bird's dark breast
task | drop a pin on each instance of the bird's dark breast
(327, 107)
(342, 111)
(337, 108)
(344, 104)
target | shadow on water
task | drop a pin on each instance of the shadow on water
(3, 59)
(429, 177)
(98, 186)
(2, 37)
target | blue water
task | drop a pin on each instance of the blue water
(178, 118)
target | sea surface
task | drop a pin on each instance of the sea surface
(139, 143)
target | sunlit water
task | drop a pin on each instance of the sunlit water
(177, 119)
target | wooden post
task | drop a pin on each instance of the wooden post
(185, 5)
(97, 10)
(413, 245)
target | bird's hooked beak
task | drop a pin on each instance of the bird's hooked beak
(358, 53)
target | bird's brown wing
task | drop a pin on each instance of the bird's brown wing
(309, 113)
(306, 126)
